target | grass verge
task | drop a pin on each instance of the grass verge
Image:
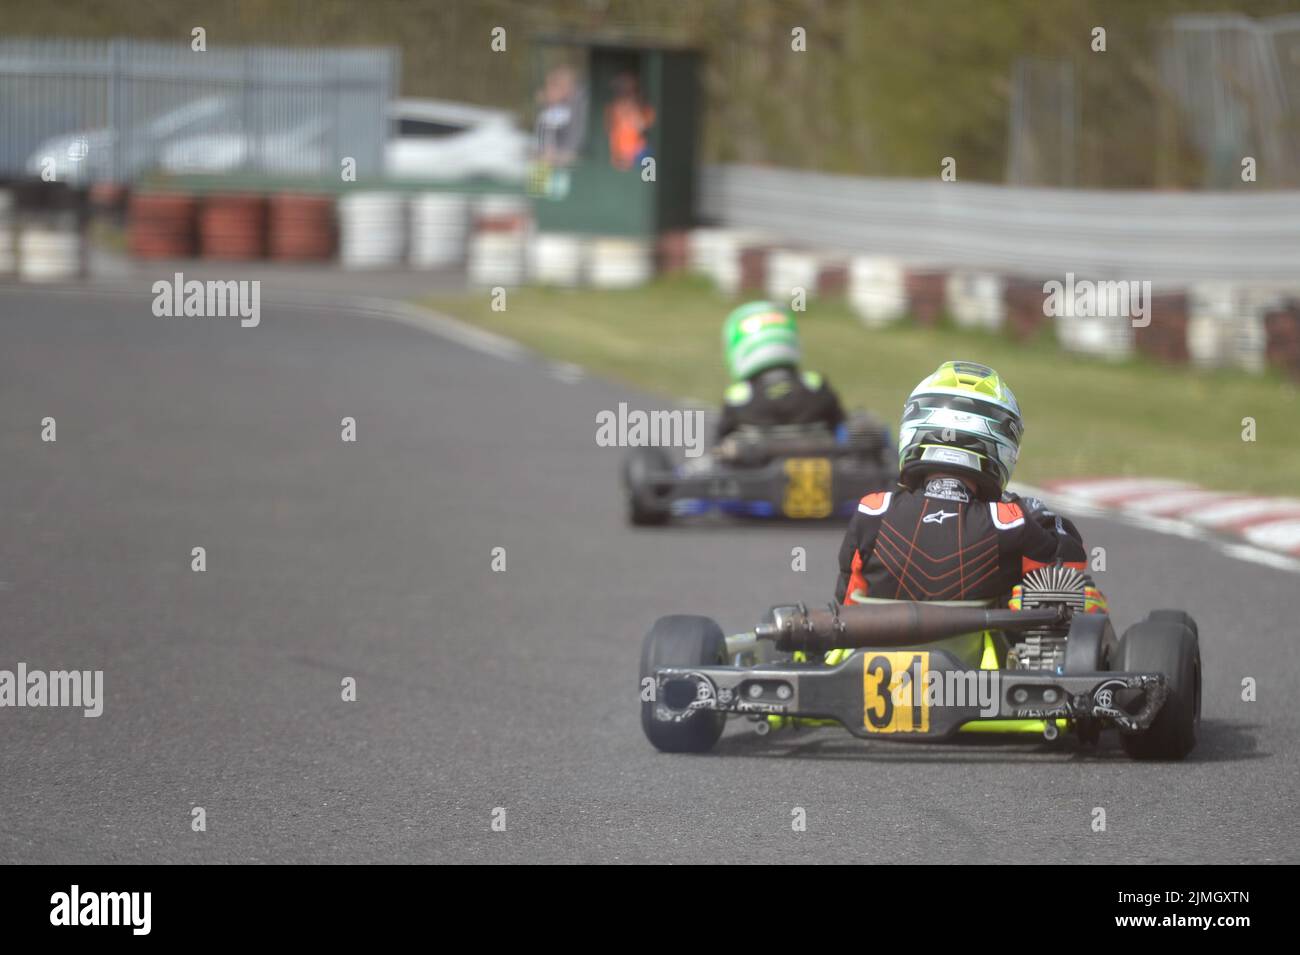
(1084, 417)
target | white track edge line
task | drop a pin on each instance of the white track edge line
(1071, 505)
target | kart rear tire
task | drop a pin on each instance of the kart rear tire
(1091, 645)
(647, 504)
(1165, 644)
(1177, 616)
(682, 641)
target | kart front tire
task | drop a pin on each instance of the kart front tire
(641, 514)
(647, 506)
(682, 641)
(1166, 642)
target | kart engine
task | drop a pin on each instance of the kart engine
(753, 446)
(1042, 588)
(867, 432)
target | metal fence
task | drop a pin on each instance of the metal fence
(1165, 238)
(1236, 82)
(1043, 137)
(116, 109)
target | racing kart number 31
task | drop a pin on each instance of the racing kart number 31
(893, 692)
(808, 488)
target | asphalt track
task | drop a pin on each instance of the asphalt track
(477, 689)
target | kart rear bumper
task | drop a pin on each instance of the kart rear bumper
(912, 694)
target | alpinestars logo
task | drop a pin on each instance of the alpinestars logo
(938, 517)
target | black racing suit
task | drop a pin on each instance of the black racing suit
(942, 542)
(781, 395)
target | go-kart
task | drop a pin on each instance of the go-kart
(799, 472)
(899, 670)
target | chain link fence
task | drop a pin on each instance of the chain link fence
(1044, 124)
(113, 110)
(1236, 86)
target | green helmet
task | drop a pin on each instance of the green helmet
(963, 417)
(758, 336)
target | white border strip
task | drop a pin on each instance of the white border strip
(1072, 504)
(481, 340)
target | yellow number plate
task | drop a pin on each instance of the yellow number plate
(807, 488)
(891, 701)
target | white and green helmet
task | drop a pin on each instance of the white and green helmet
(962, 418)
(758, 336)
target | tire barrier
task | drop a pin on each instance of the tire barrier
(556, 258)
(788, 270)
(372, 230)
(817, 273)
(1025, 314)
(620, 263)
(702, 249)
(499, 241)
(1166, 337)
(232, 227)
(50, 244)
(753, 268)
(8, 256)
(162, 225)
(439, 228)
(108, 201)
(1249, 335)
(716, 253)
(301, 227)
(1226, 326)
(975, 300)
(1282, 338)
(877, 290)
(673, 251)
(1104, 336)
(925, 295)
(49, 253)
(1214, 323)
(498, 213)
(1212, 312)
(833, 279)
(496, 258)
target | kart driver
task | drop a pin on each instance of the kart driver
(761, 345)
(951, 530)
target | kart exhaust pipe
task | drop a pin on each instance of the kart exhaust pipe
(897, 624)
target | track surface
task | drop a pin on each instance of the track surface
(479, 689)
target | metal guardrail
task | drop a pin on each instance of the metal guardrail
(117, 109)
(1170, 239)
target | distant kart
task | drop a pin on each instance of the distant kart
(916, 671)
(798, 472)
